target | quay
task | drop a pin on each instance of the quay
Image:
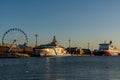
(22, 50)
(51, 49)
(29, 51)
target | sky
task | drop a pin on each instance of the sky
(83, 21)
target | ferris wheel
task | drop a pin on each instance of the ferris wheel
(15, 35)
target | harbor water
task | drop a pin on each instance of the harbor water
(61, 68)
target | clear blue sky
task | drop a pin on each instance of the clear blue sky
(84, 21)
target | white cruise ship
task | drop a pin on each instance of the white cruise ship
(51, 49)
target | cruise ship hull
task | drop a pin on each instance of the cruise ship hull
(52, 52)
(111, 53)
(107, 53)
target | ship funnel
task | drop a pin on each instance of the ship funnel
(110, 42)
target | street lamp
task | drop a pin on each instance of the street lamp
(36, 39)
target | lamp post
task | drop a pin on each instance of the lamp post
(69, 45)
(36, 39)
(88, 45)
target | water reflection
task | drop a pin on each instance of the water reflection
(53, 68)
(61, 68)
(112, 69)
(83, 68)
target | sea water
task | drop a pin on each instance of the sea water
(61, 68)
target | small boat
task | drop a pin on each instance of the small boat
(107, 49)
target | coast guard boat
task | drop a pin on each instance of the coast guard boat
(107, 49)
